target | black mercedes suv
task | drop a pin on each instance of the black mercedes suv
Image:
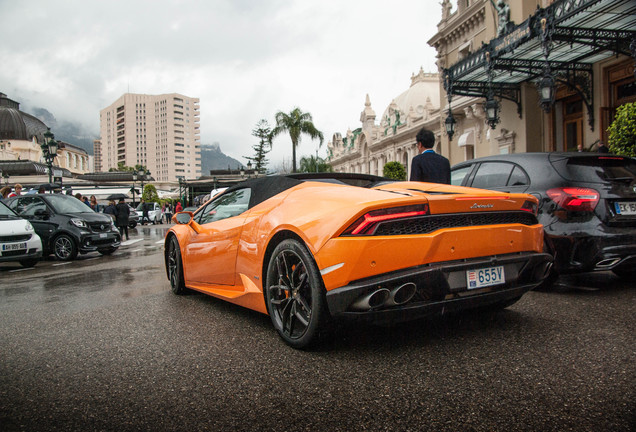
(66, 225)
(587, 203)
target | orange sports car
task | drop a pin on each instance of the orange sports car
(307, 249)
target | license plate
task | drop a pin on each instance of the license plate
(625, 208)
(103, 235)
(13, 247)
(485, 277)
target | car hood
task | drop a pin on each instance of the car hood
(14, 226)
(90, 216)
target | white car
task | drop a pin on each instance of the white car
(154, 213)
(18, 240)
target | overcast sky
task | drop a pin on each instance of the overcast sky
(244, 59)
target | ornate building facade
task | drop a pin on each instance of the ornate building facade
(368, 148)
(515, 76)
(553, 73)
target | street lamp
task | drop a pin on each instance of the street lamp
(142, 176)
(249, 168)
(182, 185)
(49, 151)
(134, 177)
(449, 124)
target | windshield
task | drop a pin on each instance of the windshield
(597, 169)
(6, 212)
(67, 204)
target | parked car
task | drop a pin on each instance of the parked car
(133, 217)
(308, 248)
(66, 225)
(154, 212)
(587, 203)
(18, 240)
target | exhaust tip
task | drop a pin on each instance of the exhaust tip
(401, 295)
(607, 263)
(379, 297)
(372, 300)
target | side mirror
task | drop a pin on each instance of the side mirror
(183, 218)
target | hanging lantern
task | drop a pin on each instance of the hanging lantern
(449, 124)
(492, 111)
(546, 92)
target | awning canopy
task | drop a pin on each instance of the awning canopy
(563, 40)
(467, 139)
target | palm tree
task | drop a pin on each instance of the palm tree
(296, 123)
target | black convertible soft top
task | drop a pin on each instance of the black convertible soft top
(264, 188)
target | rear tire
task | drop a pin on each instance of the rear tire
(548, 282)
(175, 267)
(295, 295)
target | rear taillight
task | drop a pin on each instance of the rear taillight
(367, 224)
(575, 199)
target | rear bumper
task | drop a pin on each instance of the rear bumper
(599, 250)
(441, 288)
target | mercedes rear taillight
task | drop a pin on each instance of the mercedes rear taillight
(367, 224)
(575, 199)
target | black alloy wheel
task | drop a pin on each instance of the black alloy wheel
(64, 247)
(295, 295)
(175, 267)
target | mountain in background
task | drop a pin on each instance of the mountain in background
(68, 132)
(212, 158)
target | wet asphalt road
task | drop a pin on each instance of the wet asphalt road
(102, 344)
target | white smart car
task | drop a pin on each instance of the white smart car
(18, 240)
(154, 213)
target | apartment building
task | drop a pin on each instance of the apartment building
(160, 132)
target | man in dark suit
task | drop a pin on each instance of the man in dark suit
(428, 166)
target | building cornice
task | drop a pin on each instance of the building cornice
(459, 24)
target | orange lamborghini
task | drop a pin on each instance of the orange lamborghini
(307, 249)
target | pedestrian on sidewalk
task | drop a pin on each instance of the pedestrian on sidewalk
(123, 213)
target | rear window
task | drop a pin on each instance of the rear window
(596, 169)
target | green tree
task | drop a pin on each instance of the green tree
(123, 168)
(622, 131)
(313, 164)
(296, 123)
(394, 170)
(263, 132)
(150, 193)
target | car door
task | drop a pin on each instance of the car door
(34, 209)
(210, 255)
